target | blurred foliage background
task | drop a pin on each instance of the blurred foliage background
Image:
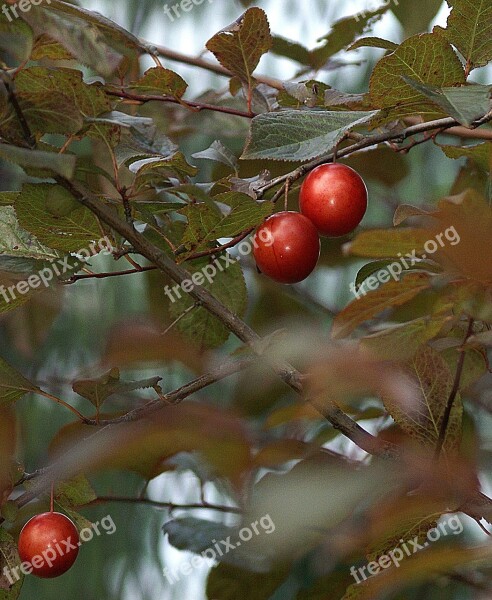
(56, 339)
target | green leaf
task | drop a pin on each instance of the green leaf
(293, 135)
(38, 211)
(12, 384)
(426, 58)
(99, 390)
(163, 81)
(402, 341)
(373, 42)
(368, 306)
(16, 38)
(218, 153)
(46, 47)
(344, 32)
(9, 559)
(240, 46)
(481, 154)
(45, 112)
(382, 265)
(468, 29)
(75, 492)
(433, 382)
(205, 225)
(18, 243)
(387, 243)
(292, 50)
(94, 40)
(153, 172)
(415, 21)
(89, 99)
(464, 104)
(61, 164)
(228, 286)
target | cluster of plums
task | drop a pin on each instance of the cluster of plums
(332, 201)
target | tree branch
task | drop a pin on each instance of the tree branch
(207, 65)
(454, 392)
(241, 330)
(196, 106)
(169, 505)
(374, 140)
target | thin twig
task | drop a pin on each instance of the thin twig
(165, 505)
(454, 392)
(196, 106)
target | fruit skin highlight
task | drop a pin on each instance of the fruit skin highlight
(286, 247)
(334, 198)
(51, 538)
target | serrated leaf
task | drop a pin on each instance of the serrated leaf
(46, 47)
(88, 36)
(68, 233)
(229, 287)
(9, 560)
(99, 390)
(382, 265)
(387, 243)
(13, 385)
(240, 47)
(205, 225)
(89, 99)
(153, 172)
(481, 154)
(163, 81)
(343, 33)
(464, 104)
(61, 164)
(458, 216)
(373, 42)
(219, 153)
(293, 135)
(433, 382)
(468, 29)
(402, 341)
(388, 295)
(44, 113)
(15, 241)
(16, 38)
(75, 492)
(426, 58)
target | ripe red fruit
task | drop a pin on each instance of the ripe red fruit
(286, 247)
(334, 198)
(50, 543)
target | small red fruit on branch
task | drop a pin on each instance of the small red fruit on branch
(334, 198)
(286, 247)
(49, 542)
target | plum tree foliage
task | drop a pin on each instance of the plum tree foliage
(100, 149)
